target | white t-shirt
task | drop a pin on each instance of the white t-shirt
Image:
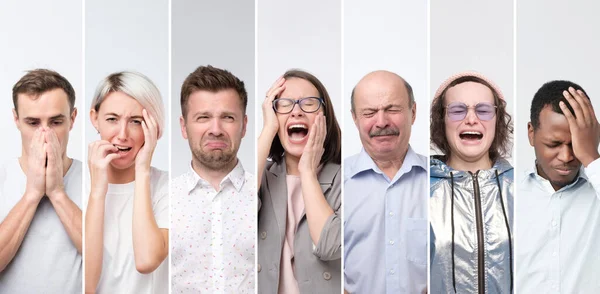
(119, 274)
(47, 261)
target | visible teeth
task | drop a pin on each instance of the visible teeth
(123, 148)
(470, 133)
(297, 126)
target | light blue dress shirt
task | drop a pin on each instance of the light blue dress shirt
(385, 226)
(557, 234)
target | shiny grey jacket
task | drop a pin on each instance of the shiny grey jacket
(471, 218)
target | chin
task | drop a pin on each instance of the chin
(122, 164)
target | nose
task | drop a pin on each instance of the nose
(297, 111)
(471, 117)
(566, 154)
(215, 128)
(381, 120)
(123, 131)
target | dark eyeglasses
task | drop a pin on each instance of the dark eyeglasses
(458, 111)
(308, 104)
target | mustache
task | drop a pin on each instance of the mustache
(389, 131)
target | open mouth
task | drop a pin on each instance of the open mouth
(471, 136)
(297, 132)
(122, 149)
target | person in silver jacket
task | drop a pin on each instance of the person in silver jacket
(471, 201)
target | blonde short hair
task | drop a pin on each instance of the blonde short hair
(136, 86)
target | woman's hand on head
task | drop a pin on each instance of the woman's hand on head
(314, 149)
(143, 159)
(270, 122)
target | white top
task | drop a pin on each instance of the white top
(47, 261)
(557, 234)
(119, 274)
(213, 233)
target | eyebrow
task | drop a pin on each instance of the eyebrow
(131, 117)
(384, 108)
(58, 116)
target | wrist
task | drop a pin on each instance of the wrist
(57, 194)
(32, 197)
(589, 159)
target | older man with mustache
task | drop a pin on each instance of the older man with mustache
(385, 192)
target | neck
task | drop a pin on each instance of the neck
(213, 176)
(390, 165)
(291, 165)
(66, 162)
(121, 176)
(473, 165)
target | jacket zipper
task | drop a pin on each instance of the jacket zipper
(480, 243)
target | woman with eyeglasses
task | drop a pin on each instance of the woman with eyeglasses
(471, 201)
(299, 189)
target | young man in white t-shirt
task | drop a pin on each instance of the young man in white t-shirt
(40, 192)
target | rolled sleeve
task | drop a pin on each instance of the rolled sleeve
(329, 246)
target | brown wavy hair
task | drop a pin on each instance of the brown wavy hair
(333, 138)
(504, 128)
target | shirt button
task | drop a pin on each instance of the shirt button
(263, 235)
(327, 276)
(392, 272)
(554, 253)
(554, 223)
(391, 242)
(258, 267)
(391, 213)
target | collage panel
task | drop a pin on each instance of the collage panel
(213, 190)
(557, 212)
(386, 113)
(299, 147)
(126, 193)
(40, 165)
(471, 164)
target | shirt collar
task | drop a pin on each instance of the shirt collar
(365, 163)
(236, 177)
(532, 172)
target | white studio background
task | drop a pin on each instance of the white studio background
(223, 38)
(299, 34)
(556, 40)
(473, 35)
(48, 36)
(128, 35)
(388, 35)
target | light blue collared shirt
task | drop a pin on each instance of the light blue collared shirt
(385, 226)
(557, 234)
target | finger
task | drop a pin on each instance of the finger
(51, 154)
(146, 131)
(105, 149)
(323, 129)
(152, 126)
(582, 104)
(576, 107)
(111, 157)
(589, 105)
(568, 114)
(280, 81)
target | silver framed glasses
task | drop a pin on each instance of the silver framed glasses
(308, 104)
(458, 111)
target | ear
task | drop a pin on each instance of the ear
(530, 133)
(354, 118)
(73, 116)
(244, 126)
(414, 112)
(94, 118)
(16, 119)
(182, 127)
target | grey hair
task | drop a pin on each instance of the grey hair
(136, 86)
